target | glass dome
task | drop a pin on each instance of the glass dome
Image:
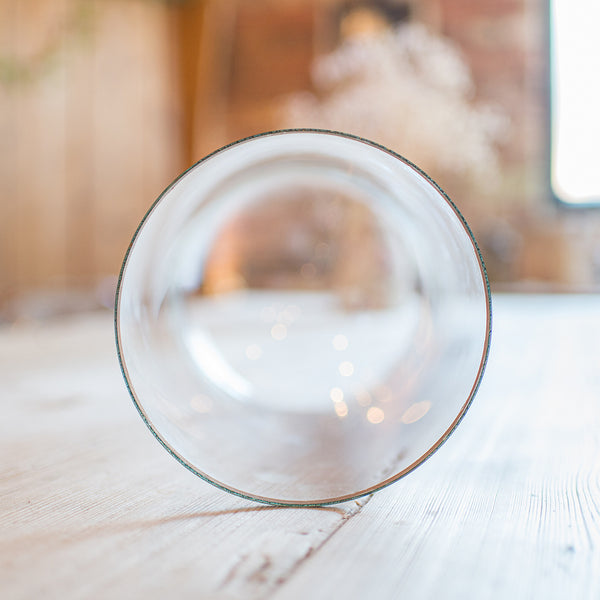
(302, 317)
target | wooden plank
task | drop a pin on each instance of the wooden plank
(39, 217)
(8, 183)
(160, 143)
(212, 78)
(187, 23)
(79, 156)
(130, 89)
(118, 122)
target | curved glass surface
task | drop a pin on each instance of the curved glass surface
(302, 317)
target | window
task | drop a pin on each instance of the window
(575, 101)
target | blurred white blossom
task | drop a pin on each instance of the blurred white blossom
(409, 90)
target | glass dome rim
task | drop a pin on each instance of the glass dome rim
(386, 482)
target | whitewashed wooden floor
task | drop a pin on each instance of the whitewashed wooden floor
(92, 507)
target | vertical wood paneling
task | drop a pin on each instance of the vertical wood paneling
(80, 193)
(40, 168)
(213, 77)
(127, 120)
(88, 136)
(160, 141)
(117, 125)
(8, 138)
(187, 23)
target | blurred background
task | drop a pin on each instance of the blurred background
(104, 102)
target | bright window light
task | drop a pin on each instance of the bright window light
(575, 57)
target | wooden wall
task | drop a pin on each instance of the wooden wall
(103, 102)
(88, 137)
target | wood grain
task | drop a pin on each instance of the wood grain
(87, 142)
(91, 506)
(509, 507)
